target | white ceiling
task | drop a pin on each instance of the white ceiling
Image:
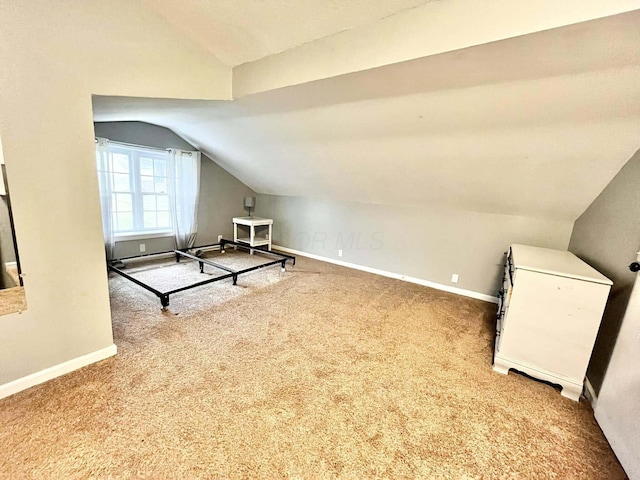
(535, 125)
(241, 31)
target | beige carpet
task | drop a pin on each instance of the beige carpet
(319, 372)
(12, 300)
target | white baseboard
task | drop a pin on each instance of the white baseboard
(56, 371)
(590, 393)
(11, 264)
(398, 276)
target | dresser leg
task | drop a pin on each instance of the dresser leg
(500, 366)
(572, 392)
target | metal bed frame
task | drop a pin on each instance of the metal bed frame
(280, 258)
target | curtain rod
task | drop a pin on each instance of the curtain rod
(144, 146)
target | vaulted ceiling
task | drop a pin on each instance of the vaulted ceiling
(245, 30)
(533, 125)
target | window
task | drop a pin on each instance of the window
(139, 189)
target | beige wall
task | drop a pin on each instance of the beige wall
(429, 244)
(607, 236)
(55, 55)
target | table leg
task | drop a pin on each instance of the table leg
(270, 237)
(252, 236)
(235, 235)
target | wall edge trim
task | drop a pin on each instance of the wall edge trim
(397, 276)
(55, 371)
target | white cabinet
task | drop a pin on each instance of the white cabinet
(549, 312)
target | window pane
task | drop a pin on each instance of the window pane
(163, 203)
(120, 163)
(161, 185)
(146, 166)
(148, 203)
(150, 220)
(125, 221)
(164, 220)
(124, 203)
(140, 187)
(121, 182)
(160, 168)
(147, 184)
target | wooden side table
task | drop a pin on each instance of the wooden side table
(252, 222)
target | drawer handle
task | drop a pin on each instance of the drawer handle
(634, 267)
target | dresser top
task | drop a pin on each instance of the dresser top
(555, 262)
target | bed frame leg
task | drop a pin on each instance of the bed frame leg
(201, 267)
(164, 300)
(284, 265)
(235, 279)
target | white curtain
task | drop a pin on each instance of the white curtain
(184, 189)
(104, 178)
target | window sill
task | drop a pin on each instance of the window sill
(125, 237)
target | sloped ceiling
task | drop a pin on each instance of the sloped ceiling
(535, 125)
(241, 31)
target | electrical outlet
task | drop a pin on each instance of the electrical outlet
(143, 247)
(454, 278)
(339, 253)
(219, 238)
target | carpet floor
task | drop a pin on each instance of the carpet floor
(12, 300)
(318, 372)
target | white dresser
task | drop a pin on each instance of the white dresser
(549, 312)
